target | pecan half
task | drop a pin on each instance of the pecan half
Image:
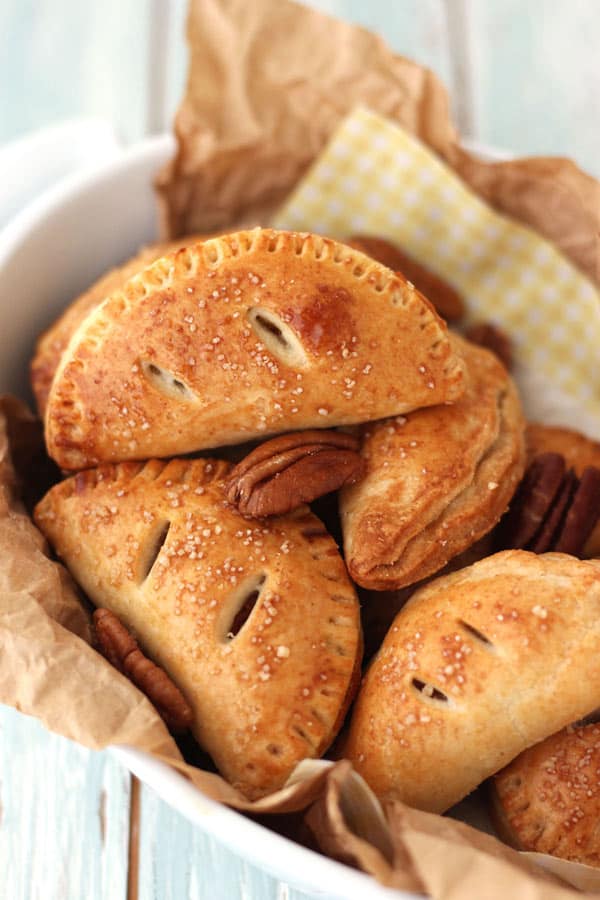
(532, 501)
(121, 649)
(444, 297)
(556, 514)
(552, 510)
(292, 469)
(582, 514)
(488, 335)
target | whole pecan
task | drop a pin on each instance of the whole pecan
(552, 509)
(444, 297)
(488, 335)
(292, 469)
(122, 650)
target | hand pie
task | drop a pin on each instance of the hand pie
(548, 799)
(53, 342)
(244, 335)
(255, 621)
(437, 480)
(478, 666)
(579, 452)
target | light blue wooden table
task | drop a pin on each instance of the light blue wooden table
(523, 74)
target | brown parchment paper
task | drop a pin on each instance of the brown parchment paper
(268, 83)
(420, 852)
(48, 668)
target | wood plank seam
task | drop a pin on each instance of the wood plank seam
(157, 38)
(133, 854)
(460, 28)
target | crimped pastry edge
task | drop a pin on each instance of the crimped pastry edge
(184, 264)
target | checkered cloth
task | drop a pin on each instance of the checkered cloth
(374, 178)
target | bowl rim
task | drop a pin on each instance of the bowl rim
(53, 198)
(157, 147)
(281, 857)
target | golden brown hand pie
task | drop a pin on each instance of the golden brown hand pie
(579, 452)
(478, 666)
(255, 621)
(243, 335)
(437, 479)
(548, 799)
(52, 343)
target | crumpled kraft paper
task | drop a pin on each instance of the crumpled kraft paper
(421, 852)
(268, 83)
(47, 667)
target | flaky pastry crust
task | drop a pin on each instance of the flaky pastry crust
(478, 666)
(437, 480)
(548, 799)
(247, 334)
(53, 342)
(158, 544)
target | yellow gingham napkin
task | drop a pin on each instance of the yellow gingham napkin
(374, 178)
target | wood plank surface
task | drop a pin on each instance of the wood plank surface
(64, 817)
(64, 58)
(522, 74)
(180, 861)
(537, 77)
(65, 820)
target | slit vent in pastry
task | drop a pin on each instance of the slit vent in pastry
(239, 606)
(278, 338)
(155, 543)
(167, 383)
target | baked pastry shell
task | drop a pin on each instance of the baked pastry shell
(158, 544)
(478, 666)
(244, 335)
(437, 480)
(548, 799)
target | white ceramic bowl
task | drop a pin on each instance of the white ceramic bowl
(33, 163)
(74, 232)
